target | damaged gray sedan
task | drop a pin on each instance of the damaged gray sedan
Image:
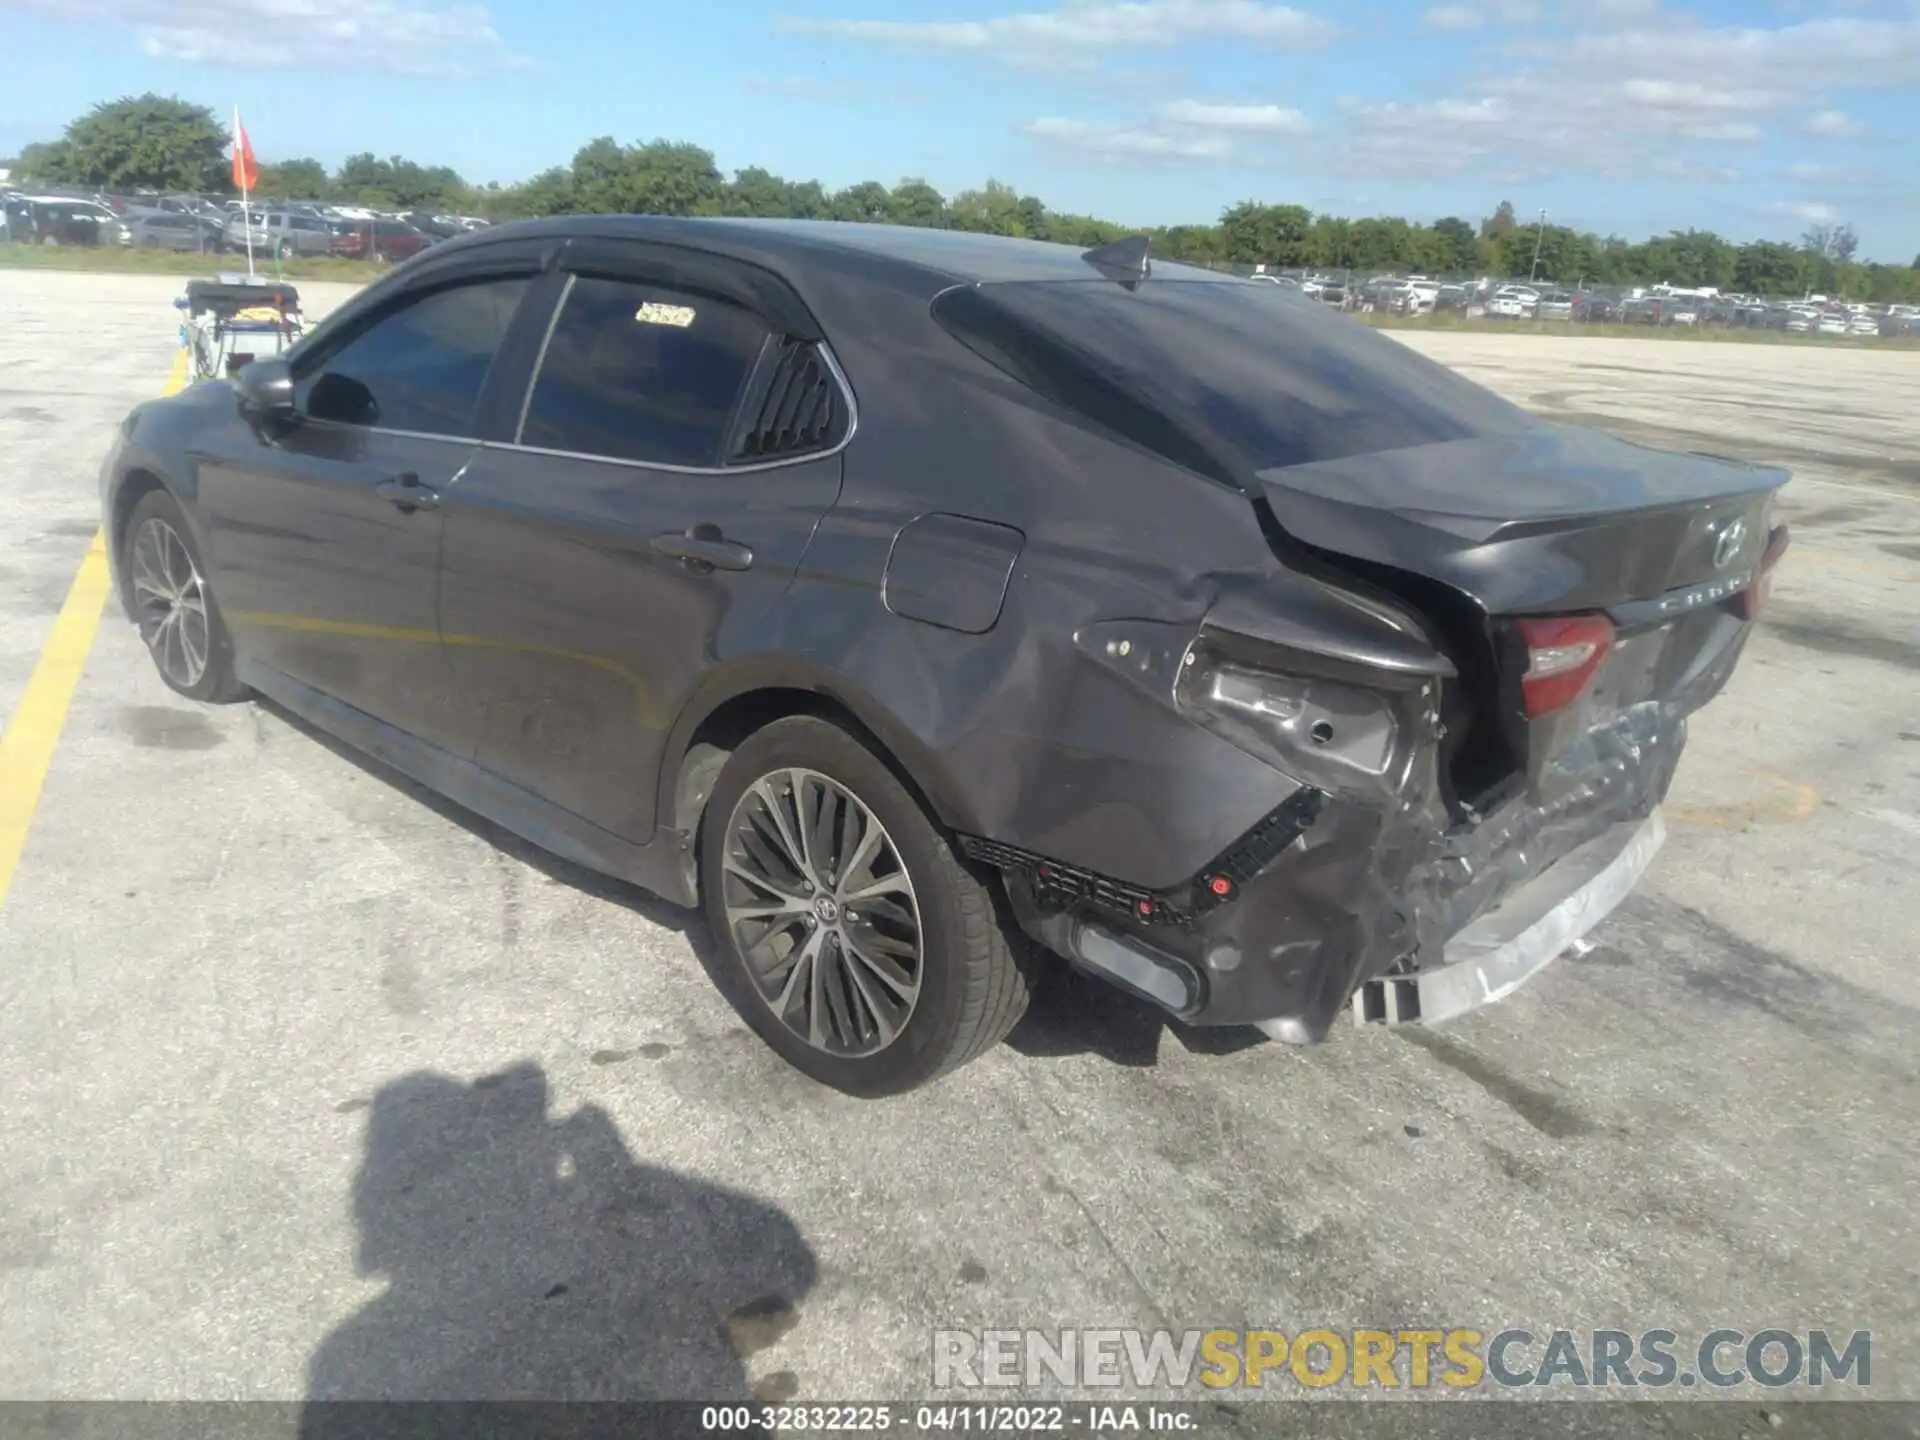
(903, 598)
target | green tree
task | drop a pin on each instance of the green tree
(1499, 225)
(1199, 244)
(754, 191)
(914, 202)
(1330, 242)
(994, 209)
(1256, 234)
(396, 183)
(1383, 244)
(1087, 231)
(44, 161)
(142, 142)
(661, 177)
(298, 179)
(868, 201)
(1454, 248)
(548, 193)
(807, 201)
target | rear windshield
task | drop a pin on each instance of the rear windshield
(1224, 378)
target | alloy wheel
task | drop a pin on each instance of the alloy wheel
(170, 603)
(823, 912)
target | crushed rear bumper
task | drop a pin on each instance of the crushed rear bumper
(1510, 944)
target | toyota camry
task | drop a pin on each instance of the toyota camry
(930, 607)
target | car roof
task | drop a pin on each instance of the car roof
(789, 244)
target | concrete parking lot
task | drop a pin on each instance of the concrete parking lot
(310, 1084)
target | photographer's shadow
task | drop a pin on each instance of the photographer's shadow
(532, 1257)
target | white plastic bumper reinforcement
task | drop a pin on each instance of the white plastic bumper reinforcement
(1507, 946)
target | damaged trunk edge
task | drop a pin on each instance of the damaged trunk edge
(1380, 668)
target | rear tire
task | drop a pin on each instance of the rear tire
(876, 962)
(173, 604)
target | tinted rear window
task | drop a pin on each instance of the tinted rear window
(1224, 378)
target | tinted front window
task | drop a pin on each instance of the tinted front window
(419, 368)
(637, 372)
(1222, 377)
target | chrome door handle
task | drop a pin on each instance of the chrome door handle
(407, 493)
(702, 547)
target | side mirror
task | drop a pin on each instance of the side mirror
(266, 390)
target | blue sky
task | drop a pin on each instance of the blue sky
(1632, 115)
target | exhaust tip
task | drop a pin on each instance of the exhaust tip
(1151, 974)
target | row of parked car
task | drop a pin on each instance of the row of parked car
(1603, 305)
(193, 223)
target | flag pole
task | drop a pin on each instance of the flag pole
(246, 205)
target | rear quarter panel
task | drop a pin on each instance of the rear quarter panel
(1022, 733)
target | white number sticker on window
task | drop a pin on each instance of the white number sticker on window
(678, 316)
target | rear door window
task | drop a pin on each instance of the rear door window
(641, 372)
(419, 368)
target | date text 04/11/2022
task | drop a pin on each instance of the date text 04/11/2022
(949, 1419)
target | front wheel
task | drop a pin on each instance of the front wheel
(173, 604)
(848, 934)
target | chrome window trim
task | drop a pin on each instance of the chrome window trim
(833, 368)
(396, 434)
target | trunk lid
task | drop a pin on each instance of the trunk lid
(1544, 519)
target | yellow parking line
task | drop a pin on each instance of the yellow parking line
(1793, 804)
(26, 749)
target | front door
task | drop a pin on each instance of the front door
(324, 539)
(599, 562)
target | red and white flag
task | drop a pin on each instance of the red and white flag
(246, 172)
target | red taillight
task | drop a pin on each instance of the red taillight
(1562, 655)
(1753, 599)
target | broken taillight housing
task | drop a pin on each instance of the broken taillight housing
(1563, 653)
(1753, 599)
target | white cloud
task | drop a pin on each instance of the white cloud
(391, 35)
(1814, 212)
(1692, 95)
(1611, 12)
(1839, 176)
(1802, 58)
(1110, 143)
(1472, 17)
(1621, 103)
(1681, 167)
(1080, 29)
(1833, 125)
(1252, 119)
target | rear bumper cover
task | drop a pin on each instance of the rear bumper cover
(1510, 944)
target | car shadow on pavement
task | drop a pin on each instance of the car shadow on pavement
(1076, 1014)
(532, 1257)
(648, 906)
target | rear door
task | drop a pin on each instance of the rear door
(325, 540)
(611, 543)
